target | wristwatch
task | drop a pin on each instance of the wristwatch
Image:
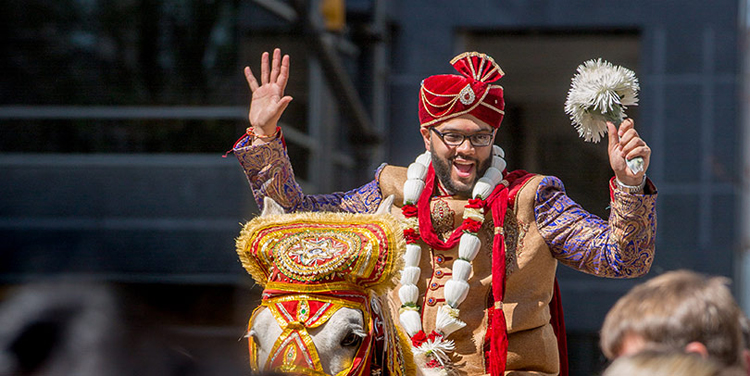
(631, 188)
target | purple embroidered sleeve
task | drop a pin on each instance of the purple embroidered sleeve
(622, 247)
(270, 173)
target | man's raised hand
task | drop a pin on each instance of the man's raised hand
(625, 143)
(268, 100)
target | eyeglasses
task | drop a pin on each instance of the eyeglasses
(456, 139)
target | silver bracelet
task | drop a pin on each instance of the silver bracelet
(631, 188)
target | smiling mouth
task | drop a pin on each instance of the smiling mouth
(463, 169)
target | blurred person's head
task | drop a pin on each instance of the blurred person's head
(81, 329)
(745, 326)
(58, 330)
(659, 363)
(678, 311)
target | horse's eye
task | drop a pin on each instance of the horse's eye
(350, 340)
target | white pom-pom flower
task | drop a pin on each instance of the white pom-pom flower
(437, 349)
(600, 92)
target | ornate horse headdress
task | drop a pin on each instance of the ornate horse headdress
(313, 264)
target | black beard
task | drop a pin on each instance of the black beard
(442, 169)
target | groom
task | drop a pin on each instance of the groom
(483, 241)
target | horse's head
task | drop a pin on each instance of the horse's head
(323, 276)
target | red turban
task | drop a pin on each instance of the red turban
(446, 96)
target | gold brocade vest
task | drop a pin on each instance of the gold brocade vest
(532, 345)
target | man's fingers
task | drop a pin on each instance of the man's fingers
(628, 136)
(264, 68)
(283, 103)
(284, 74)
(640, 151)
(251, 81)
(275, 65)
(275, 110)
(625, 126)
(614, 138)
(631, 143)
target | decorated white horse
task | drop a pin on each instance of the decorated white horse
(324, 276)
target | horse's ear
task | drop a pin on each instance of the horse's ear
(385, 205)
(271, 207)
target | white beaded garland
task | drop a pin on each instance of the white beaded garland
(498, 163)
(413, 254)
(461, 270)
(410, 275)
(482, 188)
(455, 292)
(412, 189)
(457, 288)
(408, 293)
(496, 150)
(424, 158)
(411, 321)
(416, 171)
(494, 174)
(468, 246)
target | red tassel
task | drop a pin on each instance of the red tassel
(499, 201)
(499, 345)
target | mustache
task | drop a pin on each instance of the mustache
(465, 158)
